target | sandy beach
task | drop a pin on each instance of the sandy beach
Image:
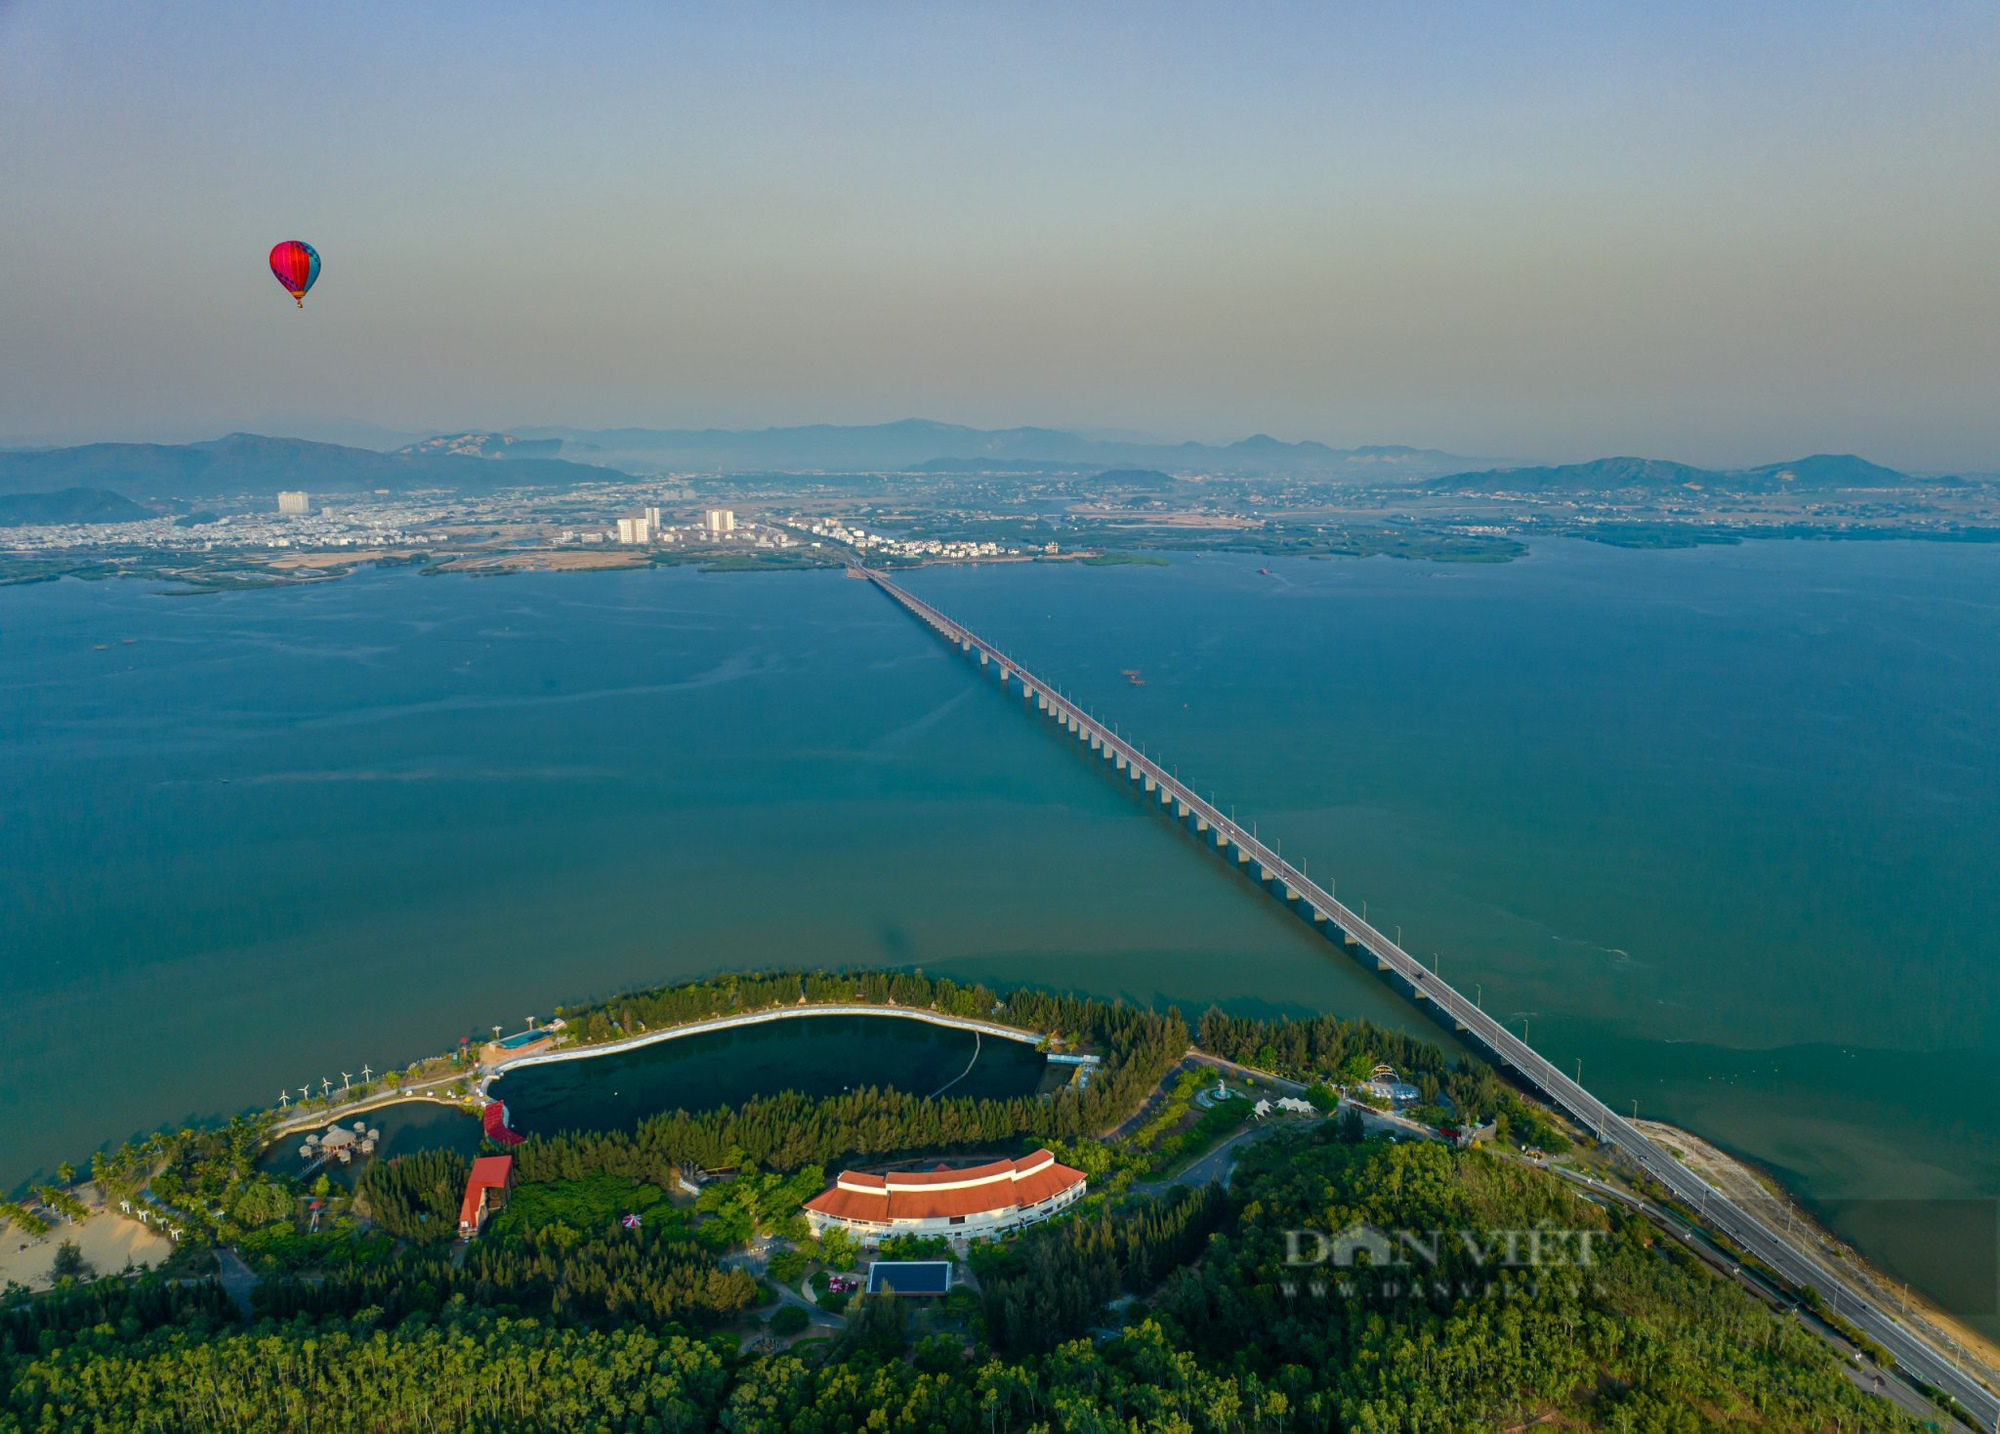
(1765, 1198)
(108, 1240)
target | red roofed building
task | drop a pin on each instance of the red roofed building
(485, 1192)
(494, 1121)
(981, 1200)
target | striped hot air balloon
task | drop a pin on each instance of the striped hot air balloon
(296, 265)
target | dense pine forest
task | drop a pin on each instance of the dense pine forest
(1172, 1312)
(598, 1299)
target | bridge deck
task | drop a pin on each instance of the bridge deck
(1469, 1021)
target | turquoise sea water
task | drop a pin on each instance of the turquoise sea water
(1721, 824)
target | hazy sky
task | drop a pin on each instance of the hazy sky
(1729, 232)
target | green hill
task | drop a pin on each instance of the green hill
(70, 505)
(249, 463)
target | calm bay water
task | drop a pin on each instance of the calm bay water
(405, 1128)
(1720, 824)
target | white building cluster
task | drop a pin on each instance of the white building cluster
(861, 540)
(716, 525)
(375, 524)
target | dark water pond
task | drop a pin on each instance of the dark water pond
(820, 1055)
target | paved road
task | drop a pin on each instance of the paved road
(236, 1278)
(1465, 1017)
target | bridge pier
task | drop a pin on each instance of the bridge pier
(1180, 809)
(1151, 785)
(983, 658)
(1200, 825)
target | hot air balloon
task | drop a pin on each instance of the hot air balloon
(296, 265)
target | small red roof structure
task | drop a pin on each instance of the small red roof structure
(490, 1174)
(494, 1119)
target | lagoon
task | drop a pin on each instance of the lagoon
(817, 1055)
(407, 1126)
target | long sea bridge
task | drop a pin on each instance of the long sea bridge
(1448, 1006)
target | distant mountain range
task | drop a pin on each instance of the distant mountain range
(1821, 471)
(920, 445)
(245, 463)
(248, 464)
(483, 445)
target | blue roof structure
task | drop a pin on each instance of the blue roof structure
(909, 1277)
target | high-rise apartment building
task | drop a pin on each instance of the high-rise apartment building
(719, 521)
(296, 504)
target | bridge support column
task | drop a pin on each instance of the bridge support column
(1118, 760)
(1181, 809)
(983, 658)
(1151, 785)
(1201, 826)
(1242, 857)
(1004, 675)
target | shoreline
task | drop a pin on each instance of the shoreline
(1761, 1193)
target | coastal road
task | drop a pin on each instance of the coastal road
(1867, 1376)
(1464, 1017)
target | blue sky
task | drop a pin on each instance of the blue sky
(1728, 233)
